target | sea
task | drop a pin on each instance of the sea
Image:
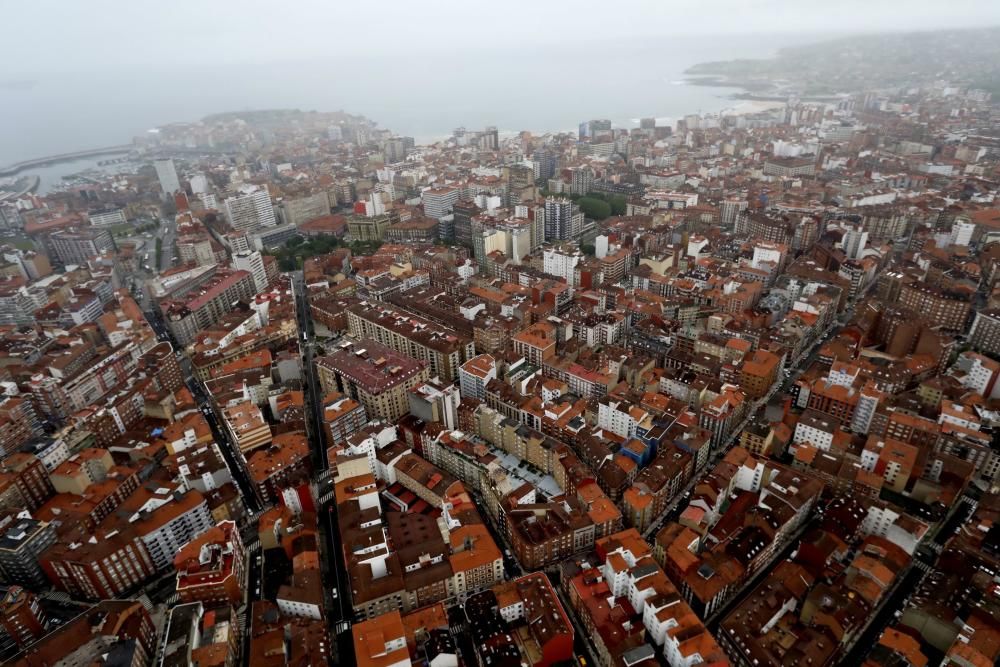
(540, 88)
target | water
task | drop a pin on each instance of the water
(425, 96)
(51, 176)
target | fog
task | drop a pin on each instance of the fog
(60, 36)
(77, 75)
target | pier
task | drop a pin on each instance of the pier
(18, 167)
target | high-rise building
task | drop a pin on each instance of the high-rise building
(22, 541)
(545, 162)
(583, 180)
(962, 231)
(22, 616)
(563, 220)
(490, 139)
(76, 246)
(250, 209)
(199, 184)
(167, 175)
(439, 202)
(253, 263)
(730, 211)
(395, 149)
(854, 243)
(464, 210)
(595, 127)
(985, 333)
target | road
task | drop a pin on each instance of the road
(234, 459)
(923, 562)
(167, 232)
(340, 612)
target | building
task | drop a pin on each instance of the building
(253, 263)
(627, 592)
(475, 374)
(246, 426)
(166, 173)
(443, 348)
(414, 230)
(764, 628)
(759, 373)
(529, 608)
(433, 401)
(22, 542)
(562, 262)
(790, 167)
(985, 333)
(107, 217)
(211, 568)
(283, 465)
(27, 473)
(948, 309)
(343, 416)
(439, 202)
(119, 632)
(306, 208)
(563, 220)
(22, 617)
(76, 246)
(381, 641)
(196, 637)
(371, 229)
(537, 343)
(103, 565)
(198, 309)
(817, 429)
(374, 375)
(250, 209)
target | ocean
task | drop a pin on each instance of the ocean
(538, 88)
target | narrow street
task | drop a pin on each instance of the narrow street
(339, 608)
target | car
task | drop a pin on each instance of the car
(333, 592)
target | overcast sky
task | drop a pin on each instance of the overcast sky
(71, 35)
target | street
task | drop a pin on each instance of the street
(339, 607)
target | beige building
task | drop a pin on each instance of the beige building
(374, 375)
(247, 426)
(444, 349)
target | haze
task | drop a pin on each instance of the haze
(57, 36)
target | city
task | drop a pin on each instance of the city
(289, 388)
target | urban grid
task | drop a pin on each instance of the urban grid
(287, 388)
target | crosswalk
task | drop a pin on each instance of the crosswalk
(58, 596)
(241, 619)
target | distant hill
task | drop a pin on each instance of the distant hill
(271, 117)
(866, 62)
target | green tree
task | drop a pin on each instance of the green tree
(594, 208)
(588, 249)
(618, 204)
(294, 241)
